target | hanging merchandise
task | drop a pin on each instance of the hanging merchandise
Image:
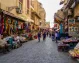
(15, 25)
(1, 24)
(19, 25)
(0, 18)
(9, 22)
(24, 26)
(11, 27)
(5, 19)
(33, 27)
(61, 28)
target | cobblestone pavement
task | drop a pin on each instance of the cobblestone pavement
(37, 52)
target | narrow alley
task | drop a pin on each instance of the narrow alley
(37, 52)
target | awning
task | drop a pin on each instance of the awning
(58, 17)
(30, 20)
(12, 15)
(69, 4)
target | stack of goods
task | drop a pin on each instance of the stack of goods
(75, 52)
(69, 40)
(22, 39)
(63, 47)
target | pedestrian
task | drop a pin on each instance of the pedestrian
(39, 36)
(53, 36)
(47, 33)
(44, 35)
(56, 36)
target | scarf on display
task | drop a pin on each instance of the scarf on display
(1, 24)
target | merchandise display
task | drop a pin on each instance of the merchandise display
(75, 52)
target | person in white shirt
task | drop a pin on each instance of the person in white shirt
(56, 36)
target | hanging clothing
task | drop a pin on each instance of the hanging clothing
(1, 24)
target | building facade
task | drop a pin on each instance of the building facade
(18, 15)
(71, 12)
(42, 14)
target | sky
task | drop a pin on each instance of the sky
(50, 6)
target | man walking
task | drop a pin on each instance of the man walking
(44, 35)
(39, 36)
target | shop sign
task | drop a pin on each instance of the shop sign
(71, 21)
(69, 12)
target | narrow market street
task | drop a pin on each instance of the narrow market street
(37, 52)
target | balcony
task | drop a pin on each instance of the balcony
(35, 13)
(32, 7)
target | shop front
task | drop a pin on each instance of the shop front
(1, 22)
(10, 24)
(73, 27)
(76, 17)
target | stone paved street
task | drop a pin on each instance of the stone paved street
(37, 52)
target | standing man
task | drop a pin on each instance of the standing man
(39, 36)
(44, 35)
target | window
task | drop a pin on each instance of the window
(20, 4)
(21, 1)
(27, 6)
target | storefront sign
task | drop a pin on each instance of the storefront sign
(73, 31)
(71, 21)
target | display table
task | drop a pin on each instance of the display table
(67, 41)
(63, 47)
(71, 42)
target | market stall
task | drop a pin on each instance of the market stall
(67, 44)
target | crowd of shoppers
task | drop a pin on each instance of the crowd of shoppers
(54, 34)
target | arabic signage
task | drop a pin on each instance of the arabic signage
(71, 21)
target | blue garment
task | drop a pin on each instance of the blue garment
(44, 35)
(61, 28)
(39, 34)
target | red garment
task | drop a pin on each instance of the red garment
(30, 35)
